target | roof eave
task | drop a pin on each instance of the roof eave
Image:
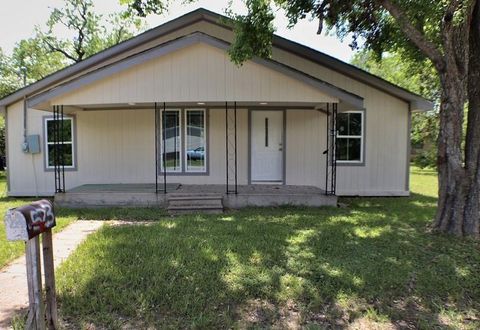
(421, 105)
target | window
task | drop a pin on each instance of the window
(66, 147)
(172, 141)
(350, 128)
(185, 141)
(195, 142)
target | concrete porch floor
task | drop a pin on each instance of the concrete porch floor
(98, 195)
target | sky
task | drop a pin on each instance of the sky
(19, 17)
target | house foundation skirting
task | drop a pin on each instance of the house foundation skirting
(143, 195)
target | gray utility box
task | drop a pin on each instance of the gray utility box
(32, 144)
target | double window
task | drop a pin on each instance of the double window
(350, 135)
(183, 141)
(66, 147)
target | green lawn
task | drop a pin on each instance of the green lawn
(371, 264)
(12, 250)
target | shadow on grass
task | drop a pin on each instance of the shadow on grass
(262, 267)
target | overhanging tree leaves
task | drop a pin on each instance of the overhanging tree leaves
(446, 32)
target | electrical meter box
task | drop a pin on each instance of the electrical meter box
(32, 144)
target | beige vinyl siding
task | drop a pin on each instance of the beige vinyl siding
(196, 73)
(111, 147)
(26, 171)
(305, 143)
(386, 149)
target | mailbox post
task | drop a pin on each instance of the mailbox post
(27, 223)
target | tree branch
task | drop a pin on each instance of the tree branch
(54, 48)
(418, 38)
(81, 34)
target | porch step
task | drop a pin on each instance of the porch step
(190, 204)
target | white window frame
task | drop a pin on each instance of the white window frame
(205, 157)
(361, 137)
(46, 143)
(180, 136)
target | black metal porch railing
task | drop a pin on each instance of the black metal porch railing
(58, 148)
(331, 152)
(160, 144)
(231, 149)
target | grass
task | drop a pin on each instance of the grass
(11, 250)
(371, 264)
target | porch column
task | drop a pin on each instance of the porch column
(331, 152)
(231, 149)
(58, 143)
(160, 119)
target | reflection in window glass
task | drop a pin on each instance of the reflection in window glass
(65, 127)
(171, 137)
(349, 137)
(195, 142)
(349, 149)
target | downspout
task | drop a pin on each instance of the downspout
(24, 146)
(23, 70)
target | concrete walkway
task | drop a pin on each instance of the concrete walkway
(13, 277)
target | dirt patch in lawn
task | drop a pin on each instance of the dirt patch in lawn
(263, 314)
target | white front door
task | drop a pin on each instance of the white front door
(267, 146)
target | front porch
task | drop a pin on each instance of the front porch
(108, 195)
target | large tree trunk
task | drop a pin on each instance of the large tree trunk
(451, 173)
(472, 142)
(459, 177)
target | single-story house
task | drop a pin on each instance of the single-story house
(167, 116)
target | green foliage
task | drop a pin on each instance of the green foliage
(77, 16)
(145, 7)
(254, 32)
(10, 77)
(418, 77)
(424, 134)
(32, 57)
(365, 20)
(92, 32)
(373, 262)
